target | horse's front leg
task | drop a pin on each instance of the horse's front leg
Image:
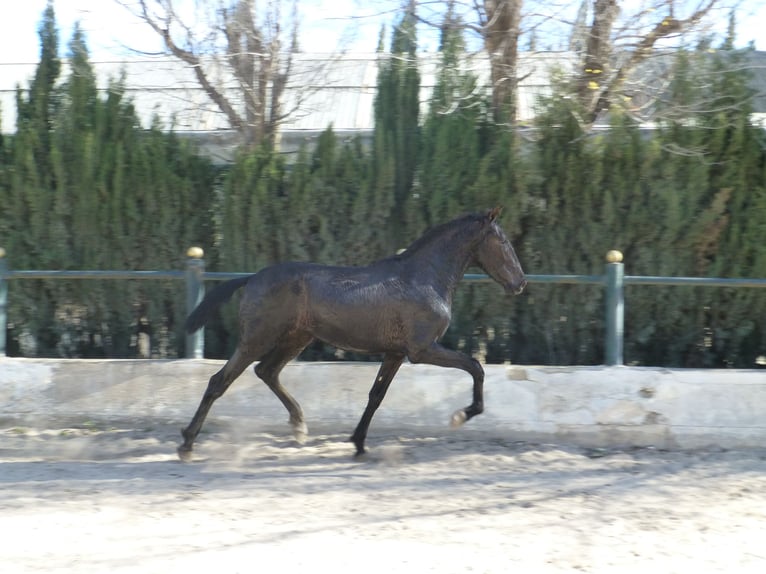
(435, 354)
(391, 364)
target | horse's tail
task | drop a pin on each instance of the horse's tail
(221, 294)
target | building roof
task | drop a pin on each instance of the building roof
(330, 89)
(323, 89)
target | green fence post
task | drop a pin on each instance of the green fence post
(615, 308)
(195, 291)
(3, 301)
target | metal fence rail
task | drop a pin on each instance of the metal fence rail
(613, 281)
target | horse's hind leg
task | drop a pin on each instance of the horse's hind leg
(216, 387)
(272, 364)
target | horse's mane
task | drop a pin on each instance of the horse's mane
(439, 231)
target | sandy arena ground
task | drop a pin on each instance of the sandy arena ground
(114, 498)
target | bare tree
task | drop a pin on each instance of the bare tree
(615, 47)
(233, 44)
(253, 47)
(500, 25)
(608, 39)
(597, 54)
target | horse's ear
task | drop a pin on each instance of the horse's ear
(494, 213)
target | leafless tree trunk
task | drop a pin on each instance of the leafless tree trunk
(598, 52)
(612, 42)
(602, 79)
(501, 26)
(243, 42)
(498, 24)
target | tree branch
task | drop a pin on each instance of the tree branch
(192, 59)
(665, 27)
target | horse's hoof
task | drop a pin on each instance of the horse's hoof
(185, 454)
(458, 419)
(300, 433)
(300, 437)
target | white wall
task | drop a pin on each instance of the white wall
(591, 406)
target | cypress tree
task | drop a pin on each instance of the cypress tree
(697, 212)
(30, 196)
(450, 150)
(105, 195)
(679, 202)
(729, 236)
(395, 144)
(35, 112)
(561, 223)
(324, 203)
(339, 193)
(36, 108)
(253, 211)
(251, 230)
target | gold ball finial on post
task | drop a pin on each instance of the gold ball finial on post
(195, 252)
(195, 292)
(614, 256)
(614, 281)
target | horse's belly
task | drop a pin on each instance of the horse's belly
(364, 336)
(371, 329)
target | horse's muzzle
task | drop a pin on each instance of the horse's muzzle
(518, 288)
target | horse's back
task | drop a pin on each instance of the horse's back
(282, 292)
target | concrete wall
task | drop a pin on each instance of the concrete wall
(592, 406)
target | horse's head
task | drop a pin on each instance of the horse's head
(495, 255)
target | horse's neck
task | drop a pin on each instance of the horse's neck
(442, 261)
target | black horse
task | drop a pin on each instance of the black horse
(399, 306)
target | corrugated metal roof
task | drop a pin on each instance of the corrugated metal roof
(322, 89)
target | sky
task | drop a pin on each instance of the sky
(327, 25)
(110, 28)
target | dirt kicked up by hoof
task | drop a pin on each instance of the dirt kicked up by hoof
(116, 499)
